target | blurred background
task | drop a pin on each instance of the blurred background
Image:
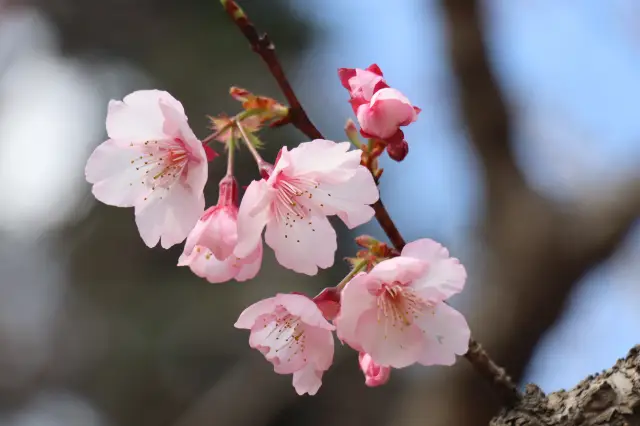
(527, 170)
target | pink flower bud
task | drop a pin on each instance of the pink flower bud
(385, 113)
(375, 375)
(328, 301)
(398, 150)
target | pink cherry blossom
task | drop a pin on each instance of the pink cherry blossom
(362, 84)
(292, 334)
(383, 115)
(152, 161)
(315, 180)
(374, 374)
(396, 313)
(209, 247)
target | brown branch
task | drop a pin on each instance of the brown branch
(495, 374)
(387, 224)
(263, 46)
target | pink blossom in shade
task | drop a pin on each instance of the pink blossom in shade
(292, 334)
(396, 313)
(315, 180)
(384, 114)
(362, 84)
(152, 161)
(374, 374)
(209, 247)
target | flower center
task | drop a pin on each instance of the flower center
(161, 163)
(289, 333)
(399, 305)
(292, 200)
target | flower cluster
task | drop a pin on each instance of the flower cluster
(391, 308)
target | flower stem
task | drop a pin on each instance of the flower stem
(358, 267)
(238, 117)
(262, 165)
(231, 153)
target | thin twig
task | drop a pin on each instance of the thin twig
(262, 45)
(491, 371)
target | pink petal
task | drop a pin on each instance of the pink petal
(320, 159)
(303, 245)
(375, 375)
(249, 316)
(307, 380)
(169, 218)
(305, 308)
(250, 268)
(402, 269)
(444, 274)
(388, 342)
(388, 110)
(253, 215)
(205, 265)
(138, 118)
(447, 334)
(355, 300)
(116, 181)
(350, 200)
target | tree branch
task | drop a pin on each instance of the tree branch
(263, 46)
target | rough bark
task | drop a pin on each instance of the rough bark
(611, 398)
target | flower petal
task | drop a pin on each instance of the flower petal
(349, 200)
(355, 300)
(402, 269)
(249, 269)
(168, 218)
(205, 265)
(447, 334)
(388, 342)
(116, 181)
(249, 316)
(444, 274)
(320, 159)
(138, 118)
(308, 380)
(253, 215)
(305, 308)
(303, 245)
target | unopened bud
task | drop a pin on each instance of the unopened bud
(352, 133)
(366, 241)
(328, 301)
(398, 150)
(228, 191)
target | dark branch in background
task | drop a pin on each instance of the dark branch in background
(263, 46)
(537, 249)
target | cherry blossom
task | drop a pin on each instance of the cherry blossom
(396, 313)
(382, 116)
(291, 333)
(152, 161)
(362, 84)
(312, 181)
(209, 247)
(375, 375)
